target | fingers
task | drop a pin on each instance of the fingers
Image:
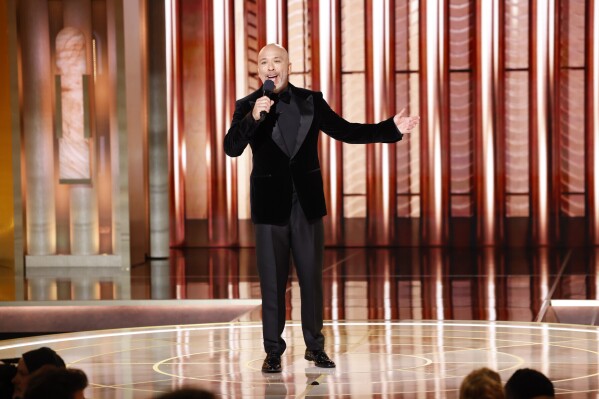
(263, 104)
(403, 110)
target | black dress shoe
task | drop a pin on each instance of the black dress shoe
(272, 363)
(319, 358)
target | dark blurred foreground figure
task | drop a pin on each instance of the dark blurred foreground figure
(188, 393)
(51, 382)
(7, 373)
(529, 384)
(482, 383)
(29, 363)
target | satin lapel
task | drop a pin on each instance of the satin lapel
(277, 137)
(306, 108)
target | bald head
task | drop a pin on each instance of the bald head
(273, 64)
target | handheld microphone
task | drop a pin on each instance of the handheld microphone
(267, 89)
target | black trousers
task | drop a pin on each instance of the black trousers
(274, 244)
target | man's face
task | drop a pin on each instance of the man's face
(273, 64)
(20, 380)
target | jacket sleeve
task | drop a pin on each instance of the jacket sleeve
(243, 127)
(356, 133)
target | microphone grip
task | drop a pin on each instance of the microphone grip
(262, 116)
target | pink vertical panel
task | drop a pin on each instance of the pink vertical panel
(570, 109)
(353, 64)
(461, 44)
(516, 157)
(194, 110)
(592, 120)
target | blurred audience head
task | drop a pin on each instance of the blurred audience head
(482, 383)
(529, 384)
(188, 393)
(29, 363)
(51, 382)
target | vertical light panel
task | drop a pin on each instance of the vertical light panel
(486, 101)
(274, 21)
(176, 153)
(592, 120)
(229, 104)
(330, 84)
(433, 155)
(244, 162)
(542, 93)
(407, 39)
(381, 188)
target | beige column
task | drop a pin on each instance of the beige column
(37, 126)
(157, 132)
(83, 199)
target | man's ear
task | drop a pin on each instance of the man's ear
(289, 68)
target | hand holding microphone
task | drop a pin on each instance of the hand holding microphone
(263, 104)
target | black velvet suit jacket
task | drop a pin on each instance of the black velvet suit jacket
(275, 171)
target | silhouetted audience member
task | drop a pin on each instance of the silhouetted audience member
(482, 383)
(7, 373)
(51, 382)
(529, 384)
(29, 363)
(188, 393)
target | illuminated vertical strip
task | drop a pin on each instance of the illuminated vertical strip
(380, 66)
(433, 69)
(244, 163)
(325, 46)
(176, 151)
(542, 94)
(220, 76)
(381, 183)
(274, 21)
(592, 117)
(487, 64)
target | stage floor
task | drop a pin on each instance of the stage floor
(394, 322)
(408, 359)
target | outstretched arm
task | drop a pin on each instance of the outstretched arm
(405, 124)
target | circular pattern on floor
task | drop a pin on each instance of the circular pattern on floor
(392, 359)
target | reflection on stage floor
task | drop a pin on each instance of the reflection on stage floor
(401, 322)
(360, 284)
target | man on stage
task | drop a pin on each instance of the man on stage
(287, 196)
